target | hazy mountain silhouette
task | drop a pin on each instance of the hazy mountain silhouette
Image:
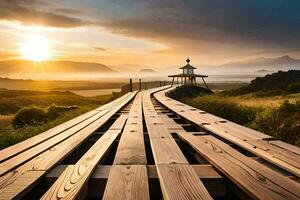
(148, 70)
(282, 62)
(11, 67)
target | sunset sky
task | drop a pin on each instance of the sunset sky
(149, 32)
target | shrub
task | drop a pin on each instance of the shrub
(29, 116)
(224, 108)
(294, 87)
(282, 122)
(54, 111)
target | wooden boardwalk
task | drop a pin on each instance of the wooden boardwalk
(146, 145)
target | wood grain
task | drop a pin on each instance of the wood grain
(12, 163)
(49, 158)
(73, 181)
(285, 157)
(257, 180)
(179, 181)
(127, 182)
(166, 151)
(131, 149)
(33, 141)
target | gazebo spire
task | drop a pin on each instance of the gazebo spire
(188, 60)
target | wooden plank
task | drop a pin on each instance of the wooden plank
(166, 151)
(128, 176)
(158, 131)
(70, 183)
(12, 163)
(22, 146)
(119, 123)
(168, 122)
(203, 171)
(16, 191)
(178, 181)
(74, 179)
(286, 146)
(246, 138)
(131, 149)
(26, 155)
(214, 182)
(260, 150)
(127, 182)
(254, 178)
(52, 156)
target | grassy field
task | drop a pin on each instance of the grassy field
(12, 101)
(277, 115)
(255, 101)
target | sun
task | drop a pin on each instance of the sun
(36, 48)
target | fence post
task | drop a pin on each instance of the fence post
(140, 80)
(164, 83)
(130, 84)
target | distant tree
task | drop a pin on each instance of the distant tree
(279, 81)
(29, 116)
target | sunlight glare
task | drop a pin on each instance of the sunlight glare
(36, 48)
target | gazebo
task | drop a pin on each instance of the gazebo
(188, 77)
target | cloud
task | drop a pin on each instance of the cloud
(234, 24)
(26, 13)
(189, 26)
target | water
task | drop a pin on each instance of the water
(92, 93)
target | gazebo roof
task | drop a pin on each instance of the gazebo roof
(188, 66)
(188, 75)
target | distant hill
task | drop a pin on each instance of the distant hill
(148, 70)
(30, 68)
(28, 84)
(282, 62)
(279, 82)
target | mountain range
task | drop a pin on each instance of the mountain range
(24, 67)
(83, 70)
(271, 63)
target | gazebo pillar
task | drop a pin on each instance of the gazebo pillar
(205, 83)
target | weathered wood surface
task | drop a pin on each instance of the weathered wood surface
(285, 157)
(22, 146)
(203, 171)
(128, 177)
(49, 158)
(74, 179)
(39, 148)
(177, 178)
(180, 181)
(131, 149)
(257, 180)
(127, 182)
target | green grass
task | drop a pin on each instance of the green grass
(13, 100)
(10, 136)
(278, 116)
